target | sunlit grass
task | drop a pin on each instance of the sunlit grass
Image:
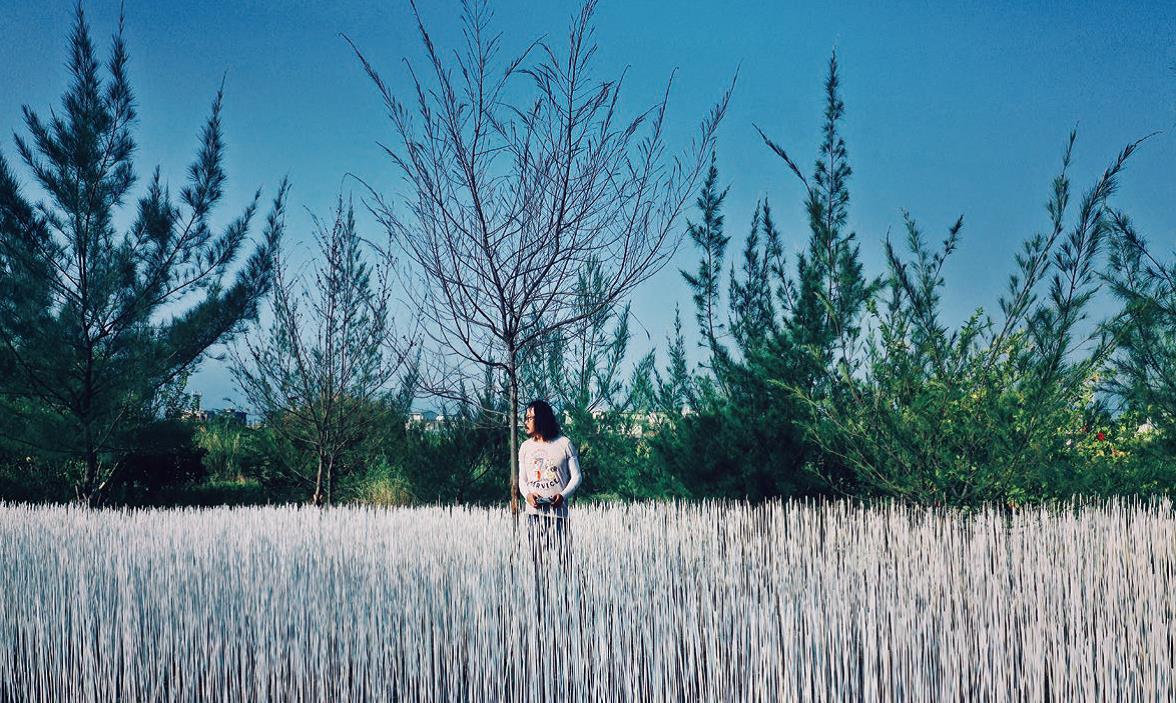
(659, 602)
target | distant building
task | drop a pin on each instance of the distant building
(231, 415)
(426, 420)
(639, 423)
(194, 415)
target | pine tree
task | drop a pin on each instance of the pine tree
(675, 391)
(712, 243)
(642, 391)
(1144, 364)
(741, 292)
(775, 272)
(94, 323)
(753, 310)
(824, 316)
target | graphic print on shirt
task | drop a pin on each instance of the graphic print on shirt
(542, 475)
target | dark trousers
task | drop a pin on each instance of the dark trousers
(550, 540)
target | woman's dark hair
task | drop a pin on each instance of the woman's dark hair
(545, 423)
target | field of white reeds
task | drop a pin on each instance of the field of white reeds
(712, 602)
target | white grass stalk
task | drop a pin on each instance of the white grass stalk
(716, 601)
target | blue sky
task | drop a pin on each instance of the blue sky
(952, 108)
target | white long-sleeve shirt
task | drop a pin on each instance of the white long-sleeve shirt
(547, 469)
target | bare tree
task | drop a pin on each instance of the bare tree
(514, 186)
(321, 375)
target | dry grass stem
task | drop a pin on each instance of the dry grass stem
(714, 602)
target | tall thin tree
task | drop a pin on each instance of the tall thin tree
(832, 290)
(675, 391)
(706, 283)
(752, 305)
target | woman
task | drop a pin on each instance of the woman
(549, 470)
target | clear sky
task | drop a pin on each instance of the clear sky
(952, 108)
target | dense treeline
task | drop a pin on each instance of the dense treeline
(817, 377)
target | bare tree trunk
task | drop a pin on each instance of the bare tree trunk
(89, 493)
(513, 373)
(330, 481)
(317, 498)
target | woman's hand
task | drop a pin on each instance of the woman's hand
(531, 499)
(557, 500)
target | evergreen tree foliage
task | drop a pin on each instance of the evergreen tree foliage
(753, 308)
(94, 322)
(675, 390)
(1144, 363)
(706, 283)
(461, 461)
(823, 318)
(749, 441)
(642, 386)
(993, 411)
